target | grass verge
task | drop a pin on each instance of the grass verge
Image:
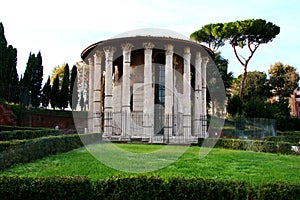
(222, 164)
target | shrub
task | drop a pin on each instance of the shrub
(141, 187)
(45, 188)
(26, 134)
(288, 138)
(278, 190)
(288, 133)
(197, 188)
(29, 150)
(251, 145)
(13, 128)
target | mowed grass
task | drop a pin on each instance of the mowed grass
(223, 164)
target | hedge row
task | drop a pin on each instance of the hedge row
(250, 145)
(13, 128)
(287, 138)
(27, 134)
(290, 133)
(141, 187)
(22, 151)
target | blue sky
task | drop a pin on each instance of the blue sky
(62, 29)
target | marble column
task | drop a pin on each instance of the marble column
(169, 91)
(97, 95)
(187, 93)
(148, 108)
(198, 101)
(109, 52)
(91, 94)
(126, 89)
(203, 110)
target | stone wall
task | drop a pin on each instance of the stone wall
(7, 117)
(52, 118)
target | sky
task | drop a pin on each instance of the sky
(62, 29)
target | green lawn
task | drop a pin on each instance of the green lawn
(222, 164)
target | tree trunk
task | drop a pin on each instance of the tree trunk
(243, 82)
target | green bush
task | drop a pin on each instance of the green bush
(26, 134)
(45, 188)
(13, 128)
(288, 133)
(278, 190)
(251, 145)
(197, 188)
(28, 150)
(287, 138)
(6, 145)
(141, 187)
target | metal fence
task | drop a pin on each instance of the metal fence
(165, 128)
(254, 128)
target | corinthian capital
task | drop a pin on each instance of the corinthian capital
(109, 51)
(126, 46)
(98, 56)
(148, 46)
(169, 49)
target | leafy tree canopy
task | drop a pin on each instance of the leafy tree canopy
(208, 34)
(283, 79)
(250, 33)
(256, 85)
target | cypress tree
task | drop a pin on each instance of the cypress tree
(8, 70)
(37, 79)
(24, 82)
(12, 74)
(33, 77)
(54, 99)
(65, 92)
(46, 93)
(73, 88)
(3, 46)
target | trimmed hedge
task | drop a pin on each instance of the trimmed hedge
(22, 151)
(288, 138)
(141, 187)
(27, 134)
(251, 145)
(6, 145)
(290, 133)
(13, 128)
(45, 188)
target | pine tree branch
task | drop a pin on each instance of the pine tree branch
(236, 55)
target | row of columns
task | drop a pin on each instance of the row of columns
(95, 93)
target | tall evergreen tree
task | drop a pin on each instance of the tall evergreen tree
(46, 93)
(73, 99)
(36, 83)
(8, 70)
(3, 56)
(27, 77)
(65, 92)
(12, 73)
(33, 77)
(54, 99)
